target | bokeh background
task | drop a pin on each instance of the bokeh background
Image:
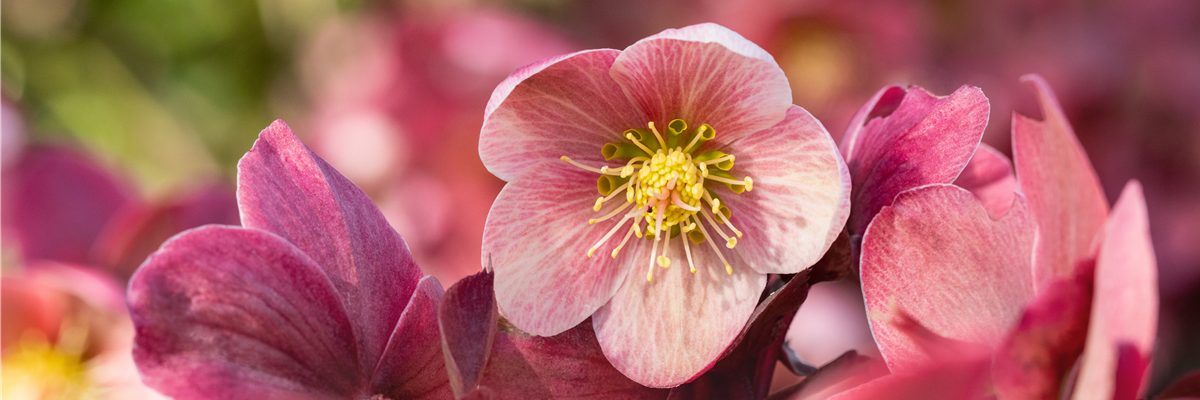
(123, 122)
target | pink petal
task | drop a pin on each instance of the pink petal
(668, 331)
(1062, 188)
(953, 380)
(285, 189)
(468, 317)
(569, 365)
(989, 176)
(843, 373)
(705, 74)
(562, 106)
(925, 140)
(1040, 352)
(138, 231)
(224, 312)
(412, 366)
(57, 201)
(536, 239)
(1125, 309)
(882, 104)
(801, 195)
(936, 254)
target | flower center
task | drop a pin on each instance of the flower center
(664, 180)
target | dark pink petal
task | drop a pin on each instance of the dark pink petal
(412, 366)
(468, 317)
(1037, 356)
(1187, 386)
(668, 331)
(959, 379)
(705, 74)
(224, 312)
(564, 106)
(936, 254)
(843, 373)
(569, 365)
(285, 189)
(1125, 309)
(925, 140)
(1062, 188)
(536, 239)
(801, 195)
(57, 201)
(136, 232)
(880, 105)
(989, 176)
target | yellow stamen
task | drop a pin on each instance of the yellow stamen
(638, 143)
(695, 138)
(610, 215)
(728, 268)
(658, 136)
(604, 171)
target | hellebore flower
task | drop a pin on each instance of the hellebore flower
(702, 164)
(316, 297)
(945, 269)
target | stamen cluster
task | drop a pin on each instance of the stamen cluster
(664, 183)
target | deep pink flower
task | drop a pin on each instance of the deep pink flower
(1036, 284)
(706, 98)
(315, 297)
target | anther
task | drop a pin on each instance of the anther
(658, 136)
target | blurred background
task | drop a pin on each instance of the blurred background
(123, 121)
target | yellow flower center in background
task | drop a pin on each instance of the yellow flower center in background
(663, 179)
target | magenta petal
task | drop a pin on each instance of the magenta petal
(468, 319)
(925, 140)
(882, 104)
(1062, 188)
(843, 373)
(1038, 355)
(668, 331)
(1186, 387)
(961, 379)
(704, 74)
(1125, 309)
(536, 239)
(936, 254)
(56, 203)
(565, 106)
(285, 189)
(989, 176)
(569, 365)
(801, 195)
(224, 312)
(412, 366)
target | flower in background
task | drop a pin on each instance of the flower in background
(713, 169)
(315, 297)
(398, 95)
(1030, 286)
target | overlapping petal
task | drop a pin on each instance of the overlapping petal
(412, 366)
(1125, 307)
(668, 331)
(226, 312)
(801, 195)
(285, 189)
(536, 239)
(566, 106)
(989, 175)
(937, 254)
(922, 140)
(704, 74)
(1063, 190)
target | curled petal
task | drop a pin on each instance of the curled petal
(1125, 307)
(707, 74)
(936, 254)
(536, 239)
(224, 312)
(668, 331)
(412, 366)
(468, 319)
(1061, 185)
(285, 189)
(801, 195)
(924, 140)
(565, 106)
(989, 176)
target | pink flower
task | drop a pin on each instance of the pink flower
(691, 133)
(315, 297)
(1035, 284)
